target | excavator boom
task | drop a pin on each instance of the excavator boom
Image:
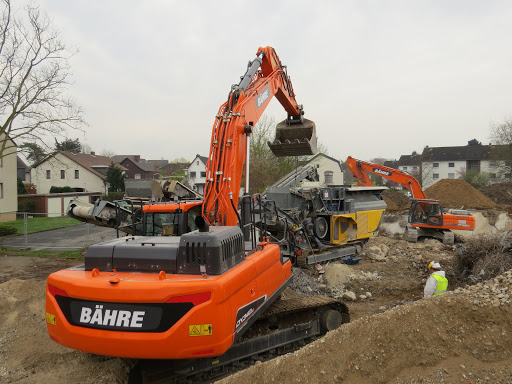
(265, 77)
(359, 169)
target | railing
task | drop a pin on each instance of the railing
(53, 231)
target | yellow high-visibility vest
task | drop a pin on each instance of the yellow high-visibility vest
(442, 284)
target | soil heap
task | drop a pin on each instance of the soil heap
(461, 337)
(458, 194)
(500, 193)
(396, 200)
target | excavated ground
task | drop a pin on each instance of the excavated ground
(394, 336)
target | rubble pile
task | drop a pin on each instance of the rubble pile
(500, 193)
(458, 194)
(496, 292)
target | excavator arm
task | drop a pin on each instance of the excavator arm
(265, 78)
(360, 168)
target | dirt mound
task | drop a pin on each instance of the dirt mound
(27, 355)
(499, 193)
(446, 339)
(458, 194)
(396, 200)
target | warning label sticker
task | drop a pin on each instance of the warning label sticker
(200, 330)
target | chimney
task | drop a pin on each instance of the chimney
(93, 153)
(136, 158)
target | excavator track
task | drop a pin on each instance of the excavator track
(286, 326)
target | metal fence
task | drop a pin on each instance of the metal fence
(54, 231)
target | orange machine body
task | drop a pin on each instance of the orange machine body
(213, 306)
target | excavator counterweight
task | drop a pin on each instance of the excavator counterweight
(295, 139)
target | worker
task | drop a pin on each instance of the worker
(308, 226)
(437, 283)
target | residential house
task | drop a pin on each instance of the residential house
(8, 181)
(452, 162)
(137, 168)
(175, 170)
(196, 174)
(80, 171)
(23, 170)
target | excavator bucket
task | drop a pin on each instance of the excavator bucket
(296, 139)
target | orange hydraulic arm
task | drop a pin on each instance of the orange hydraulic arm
(265, 77)
(359, 169)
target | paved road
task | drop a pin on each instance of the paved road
(77, 236)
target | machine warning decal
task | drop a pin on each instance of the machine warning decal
(50, 319)
(246, 312)
(200, 330)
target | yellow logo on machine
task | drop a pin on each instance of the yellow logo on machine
(200, 330)
(50, 319)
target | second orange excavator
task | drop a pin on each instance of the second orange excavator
(426, 216)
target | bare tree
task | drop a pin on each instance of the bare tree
(108, 153)
(34, 75)
(501, 136)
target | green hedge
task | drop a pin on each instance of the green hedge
(27, 206)
(6, 230)
(55, 189)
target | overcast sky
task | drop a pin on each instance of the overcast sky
(379, 78)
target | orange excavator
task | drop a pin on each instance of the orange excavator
(426, 216)
(182, 305)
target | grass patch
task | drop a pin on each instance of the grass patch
(38, 224)
(67, 254)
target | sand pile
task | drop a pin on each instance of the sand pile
(500, 193)
(458, 194)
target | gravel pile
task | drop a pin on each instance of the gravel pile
(496, 292)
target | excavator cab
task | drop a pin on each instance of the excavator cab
(426, 212)
(294, 138)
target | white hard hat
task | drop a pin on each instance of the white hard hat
(434, 265)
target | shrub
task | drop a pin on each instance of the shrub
(114, 196)
(55, 189)
(6, 230)
(27, 206)
(481, 258)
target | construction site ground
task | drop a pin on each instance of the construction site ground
(394, 336)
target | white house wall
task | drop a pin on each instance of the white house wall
(326, 164)
(443, 171)
(87, 180)
(9, 181)
(197, 182)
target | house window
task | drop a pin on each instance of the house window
(435, 165)
(451, 175)
(192, 175)
(451, 165)
(405, 168)
(1, 190)
(203, 174)
(137, 176)
(414, 168)
(77, 174)
(493, 175)
(48, 174)
(62, 174)
(197, 162)
(435, 176)
(508, 175)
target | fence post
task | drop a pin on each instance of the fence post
(86, 233)
(25, 229)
